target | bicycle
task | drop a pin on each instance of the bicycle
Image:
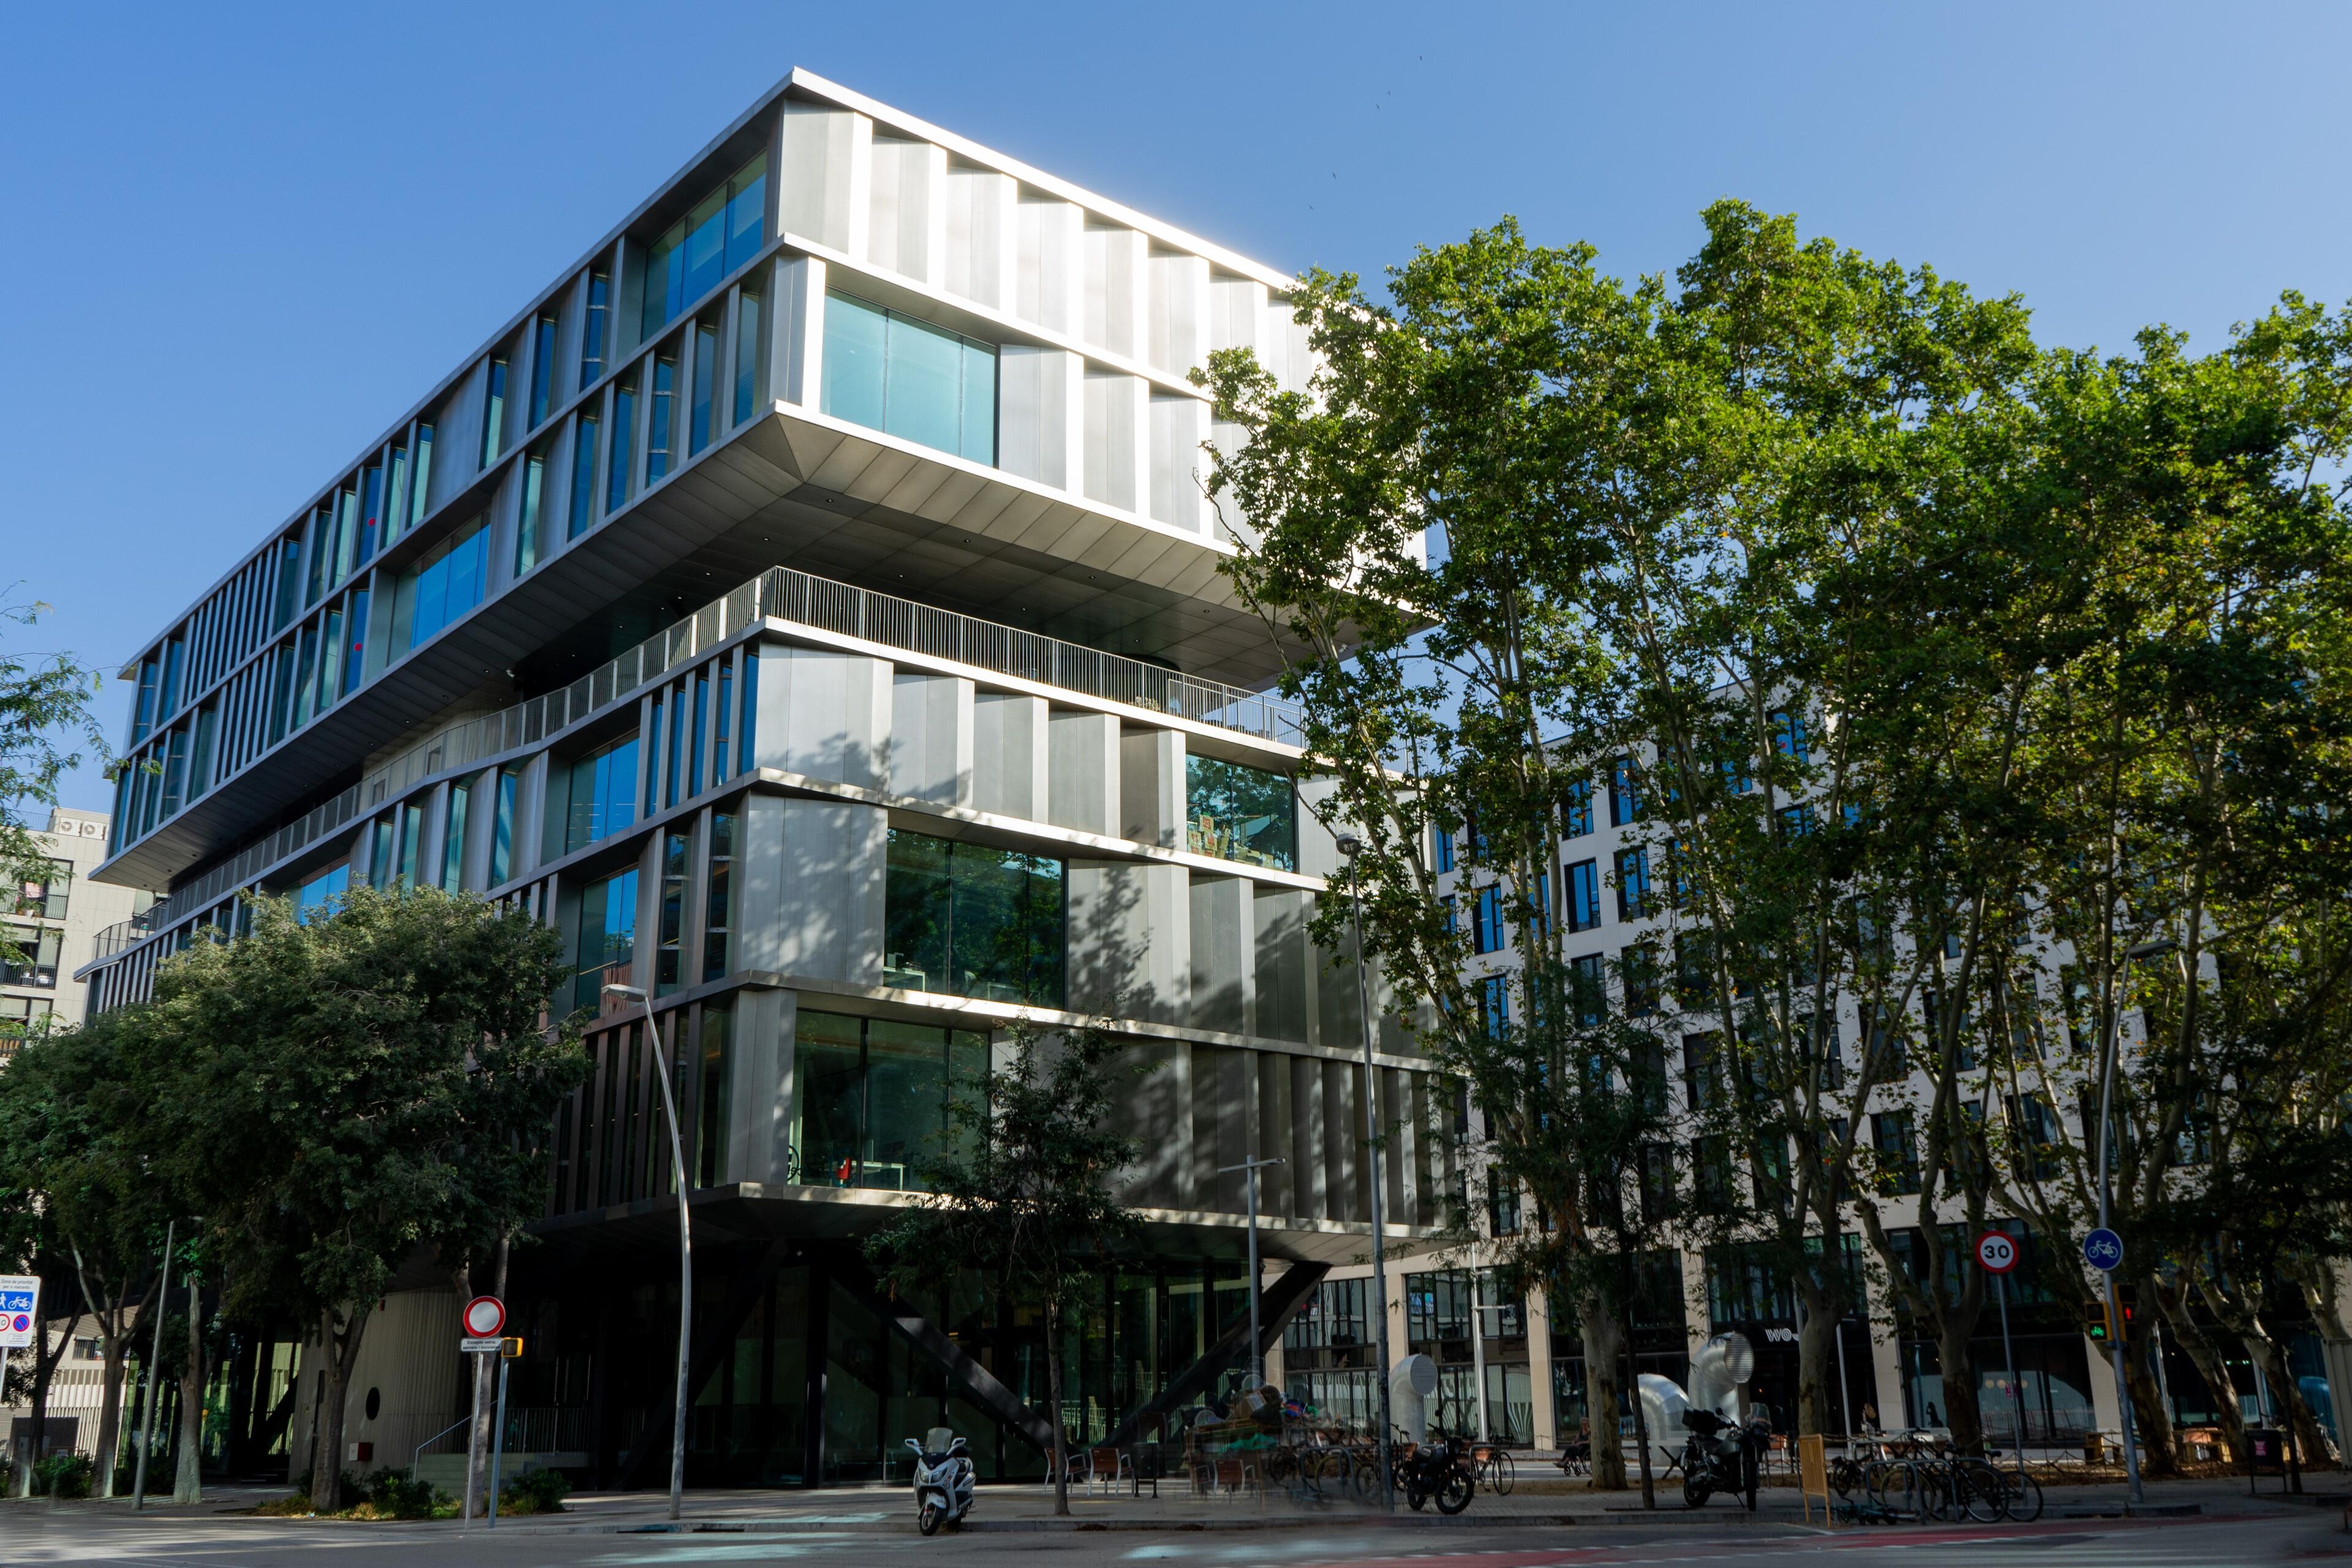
(1491, 1466)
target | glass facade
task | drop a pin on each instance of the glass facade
(1239, 813)
(720, 234)
(908, 378)
(969, 920)
(606, 938)
(719, 896)
(603, 794)
(593, 330)
(874, 1097)
(446, 581)
(583, 474)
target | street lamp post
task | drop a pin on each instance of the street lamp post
(1258, 1342)
(1350, 846)
(2106, 1133)
(685, 1244)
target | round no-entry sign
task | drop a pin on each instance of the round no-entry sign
(1996, 1253)
(485, 1316)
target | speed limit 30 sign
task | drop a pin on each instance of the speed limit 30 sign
(1996, 1253)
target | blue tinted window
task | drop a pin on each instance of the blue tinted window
(318, 895)
(622, 449)
(603, 794)
(493, 413)
(608, 936)
(591, 331)
(853, 360)
(542, 369)
(1575, 810)
(706, 380)
(583, 474)
(750, 341)
(1583, 896)
(447, 582)
(720, 234)
(917, 381)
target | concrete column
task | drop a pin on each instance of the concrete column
(930, 755)
(1224, 960)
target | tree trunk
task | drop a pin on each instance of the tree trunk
(2310, 1442)
(1053, 1393)
(116, 1348)
(2158, 1455)
(1956, 1351)
(1604, 1352)
(2206, 1358)
(45, 1369)
(326, 1474)
(1817, 1365)
(187, 1482)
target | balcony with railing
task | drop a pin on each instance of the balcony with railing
(781, 594)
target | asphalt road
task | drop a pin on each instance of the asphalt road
(35, 1533)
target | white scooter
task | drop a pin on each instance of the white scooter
(943, 1480)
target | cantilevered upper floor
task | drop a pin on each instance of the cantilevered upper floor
(840, 340)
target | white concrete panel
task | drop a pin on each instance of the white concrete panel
(905, 187)
(1180, 426)
(1237, 307)
(1032, 412)
(1151, 787)
(979, 259)
(1131, 940)
(1179, 311)
(823, 714)
(762, 1088)
(1009, 751)
(1046, 266)
(811, 899)
(795, 319)
(1223, 961)
(817, 184)
(1115, 289)
(1082, 771)
(931, 737)
(1114, 409)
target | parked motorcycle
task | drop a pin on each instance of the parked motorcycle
(1720, 1456)
(943, 1479)
(1438, 1470)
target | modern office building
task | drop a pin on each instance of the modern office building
(808, 605)
(52, 927)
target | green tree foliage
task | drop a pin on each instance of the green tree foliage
(44, 714)
(328, 1096)
(1021, 1191)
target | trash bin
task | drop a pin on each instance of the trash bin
(2095, 1447)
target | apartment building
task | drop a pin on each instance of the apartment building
(51, 930)
(808, 605)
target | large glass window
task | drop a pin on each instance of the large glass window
(494, 412)
(719, 896)
(972, 921)
(720, 234)
(1239, 813)
(542, 369)
(706, 382)
(583, 474)
(503, 826)
(607, 936)
(910, 378)
(453, 836)
(874, 1096)
(318, 896)
(446, 581)
(591, 331)
(1583, 896)
(604, 798)
(710, 1146)
(619, 459)
(661, 417)
(749, 357)
(667, 952)
(531, 516)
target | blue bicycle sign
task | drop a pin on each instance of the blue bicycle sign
(2104, 1250)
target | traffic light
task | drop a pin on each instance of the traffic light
(2096, 1325)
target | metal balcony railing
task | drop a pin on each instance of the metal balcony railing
(779, 594)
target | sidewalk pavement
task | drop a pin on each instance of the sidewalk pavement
(1537, 1503)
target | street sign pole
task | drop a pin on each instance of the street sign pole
(472, 1438)
(2016, 1380)
(499, 1440)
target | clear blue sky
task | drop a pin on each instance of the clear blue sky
(244, 238)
